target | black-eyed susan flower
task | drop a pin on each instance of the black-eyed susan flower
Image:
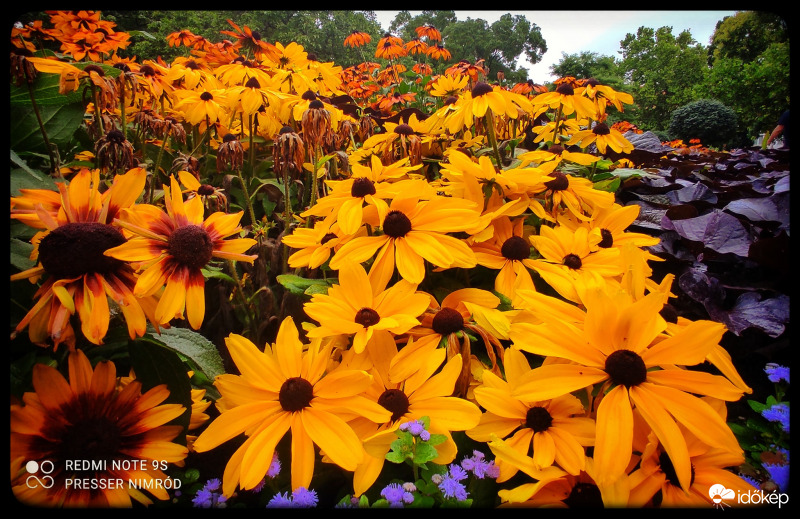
(357, 39)
(414, 231)
(575, 194)
(554, 489)
(315, 245)
(568, 99)
(553, 431)
(428, 31)
(390, 47)
(80, 279)
(416, 46)
(367, 186)
(570, 263)
(202, 106)
(422, 392)
(602, 136)
(85, 418)
(438, 52)
(462, 313)
(172, 247)
(448, 85)
(508, 252)
(655, 484)
(622, 352)
(604, 96)
(360, 307)
(285, 388)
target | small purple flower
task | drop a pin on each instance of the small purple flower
(776, 372)
(778, 413)
(479, 466)
(416, 428)
(210, 496)
(779, 474)
(280, 501)
(304, 498)
(396, 495)
(274, 467)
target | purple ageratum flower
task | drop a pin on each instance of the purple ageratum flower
(778, 413)
(396, 495)
(479, 466)
(776, 372)
(304, 498)
(450, 483)
(779, 474)
(280, 501)
(274, 467)
(210, 496)
(301, 498)
(416, 428)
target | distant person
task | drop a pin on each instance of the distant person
(781, 129)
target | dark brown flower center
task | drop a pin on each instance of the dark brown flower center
(295, 394)
(252, 83)
(556, 149)
(565, 89)
(205, 190)
(362, 186)
(206, 96)
(538, 418)
(95, 68)
(191, 246)
(328, 237)
(626, 368)
(584, 495)
(367, 317)
(92, 438)
(573, 261)
(396, 401)
(559, 183)
(669, 313)
(447, 321)
(308, 95)
(607, 239)
(396, 224)
(516, 248)
(480, 89)
(75, 249)
(403, 129)
(316, 104)
(601, 129)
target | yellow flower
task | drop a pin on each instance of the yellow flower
(414, 231)
(86, 418)
(557, 429)
(654, 482)
(173, 247)
(570, 263)
(447, 85)
(622, 352)
(569, 99)
(507, 251)
(420, 392)
(359, 306)
(603, 137)
(285, 388)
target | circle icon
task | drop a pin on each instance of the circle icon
(32, 467)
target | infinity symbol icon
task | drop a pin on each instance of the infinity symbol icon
(45, 481)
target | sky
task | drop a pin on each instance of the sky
(571, 32)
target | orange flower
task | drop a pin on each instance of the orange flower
(357, 39)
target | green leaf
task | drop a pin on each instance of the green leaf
(424, 453)
(201, 352)
(756, 406)
(610, 185)
(300, 285)
(60, 122)
(155, 365)
(21, 254)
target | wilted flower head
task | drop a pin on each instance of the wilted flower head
(114, 152)
(230, 155)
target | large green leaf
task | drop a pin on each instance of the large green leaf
(194, 347)
(154, 365)
(60, 123)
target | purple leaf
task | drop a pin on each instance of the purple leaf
(750, 311)
(718, 231)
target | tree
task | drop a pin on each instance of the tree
(746, 35)
(661, 70)
(587, 64)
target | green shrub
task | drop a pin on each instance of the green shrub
(706, 119)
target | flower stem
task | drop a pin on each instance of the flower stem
(54, 162)
(489, 120)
